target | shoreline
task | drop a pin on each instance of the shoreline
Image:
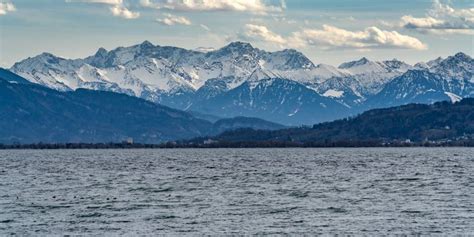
(109, 146)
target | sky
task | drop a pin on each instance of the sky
(326, 31)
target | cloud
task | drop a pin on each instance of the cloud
(442, 19)
(330, 37)
(261, 32)
(372, 37)
(124, 12)
(109, 2)
(6, 7)
(171, 20)
(117, 9)
(205, 27)
(253, 6)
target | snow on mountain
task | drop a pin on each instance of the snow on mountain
(417, 86)
(146, 68)
(371, 75)
(454, 98)
(274, 99)
(48, 70)
(333, 93)
(457, 72)
(183, 78)
(362, 66)
(434, 62)
(457, 67)
(395, 65)
(421, 66)
(325, 71)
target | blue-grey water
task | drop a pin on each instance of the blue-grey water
(229, 191)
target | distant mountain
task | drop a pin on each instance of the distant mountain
(446, 79)
(32, 113)
(414, 87)
(459, 67)
(273, 99)
(441, 121)
(372, 76)
(211, 81)
(151, 71)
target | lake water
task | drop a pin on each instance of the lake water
(248, 191)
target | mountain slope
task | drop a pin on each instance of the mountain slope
(12, 77)
(457, 67)
(211, 82)
(274, 99)
(419, 86)
(370, 77)
(33, 113)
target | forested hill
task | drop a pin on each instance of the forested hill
(435, 123)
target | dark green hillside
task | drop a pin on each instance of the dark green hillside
(416, 122)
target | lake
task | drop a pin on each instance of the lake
(227, 191)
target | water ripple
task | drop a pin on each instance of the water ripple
(237, 191)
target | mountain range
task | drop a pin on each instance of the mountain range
(241, 80)
(32, 113)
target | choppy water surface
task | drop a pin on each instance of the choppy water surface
(250, 191)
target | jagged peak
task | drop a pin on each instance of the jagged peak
(421, 65)
(46, 55)
(101, 51)
(359, 62)
(146, 44)
(451, 60)
(394, 60)
(238, 45)
(39, 61)
(434, 62)
(395, 64)
(462, 56)
(291, 51)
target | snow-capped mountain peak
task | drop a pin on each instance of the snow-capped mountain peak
(237, 48)
(293, 59)
(177, 77)
(457, 67)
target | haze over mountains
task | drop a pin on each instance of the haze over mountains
(240, 80)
